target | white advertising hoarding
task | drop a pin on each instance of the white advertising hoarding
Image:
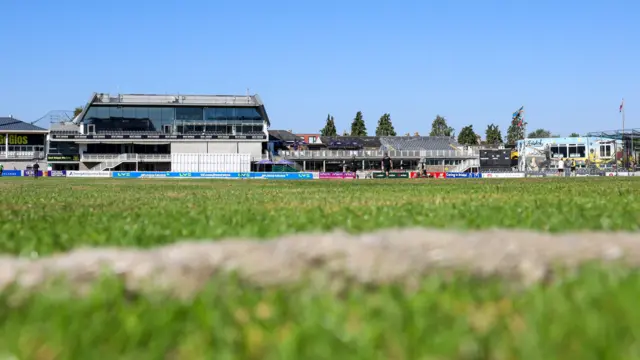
(88, 173)
(181, 162)
(502, 175)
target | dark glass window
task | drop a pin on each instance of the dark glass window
(188, 113)
(142, 113)
(115, 112)
(168, 115)
(129, 112)
(155, 114)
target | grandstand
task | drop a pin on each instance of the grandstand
(142, 132)
(419, 143)
(436, 153)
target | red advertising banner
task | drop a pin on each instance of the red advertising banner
(438, 175)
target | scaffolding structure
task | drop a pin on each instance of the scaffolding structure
(631, 144)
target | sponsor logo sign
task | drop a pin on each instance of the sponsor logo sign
(55, 173)
(209, 175)
(392, 175)
(438, 175)
(463, 175)
(22, 139)
(620, 173)
(337, 175)
(502, 175)
(96, 174)
(12, 173)
(63, 157)
(283, 175)
(30, 172)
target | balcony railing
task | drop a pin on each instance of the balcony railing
(124, 157)
(366, 154)
(22, 155)
(141, 157)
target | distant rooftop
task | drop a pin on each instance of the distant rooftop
(13, 124)
(177, 99)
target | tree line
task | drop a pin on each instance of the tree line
(440, 127)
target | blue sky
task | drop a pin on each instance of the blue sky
(474, 62)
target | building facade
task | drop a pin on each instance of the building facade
(140, 132)
(21, 144)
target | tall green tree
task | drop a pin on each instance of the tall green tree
(330, 127)
(385, 127)
(515, 131)
(358, 127)
(439, 127)
(539, 133)
(574, 134)
(467, 136)
(493, 135)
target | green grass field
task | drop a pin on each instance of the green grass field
(51, 215)
(593, 315)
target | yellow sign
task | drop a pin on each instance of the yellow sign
(15, 139)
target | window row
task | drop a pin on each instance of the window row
(23, 148)
(579, 151)
(571, 151)
(128, 118)
(173, 113)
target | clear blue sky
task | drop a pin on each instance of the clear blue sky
(474, 62)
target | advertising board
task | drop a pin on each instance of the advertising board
(392, 175)
(337, 175)
(502, 175)
(22, 139)
(30, 173)
(438, 175)
(11, 173)
(282, 175)
(209, 175)
(74, 157)
(174, 175)
(56, 173)
(88, 173)
(463, 175)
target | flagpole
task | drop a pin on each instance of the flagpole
(524, 142)
(624, 145)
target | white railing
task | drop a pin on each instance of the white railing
(466, 164)
(341, 154)
(111, 163)
(21, 155)
(125, 157)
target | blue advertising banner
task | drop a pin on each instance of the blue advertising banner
(11, 172)
(30, 173)
(209, 175)
(462, 175)
(282, 175)
(57, 173)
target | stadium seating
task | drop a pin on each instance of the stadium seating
(64, 132)
(418, 143)
(128, 132)
(351, 142)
